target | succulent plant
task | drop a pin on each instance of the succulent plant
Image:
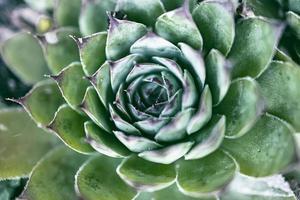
(168, 99)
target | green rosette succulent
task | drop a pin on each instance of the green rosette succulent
(170, 100)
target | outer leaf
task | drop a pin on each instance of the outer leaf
(121, 35)
(104, 142)
(205, 175)
(53, 177)
(242, 106)
(94, 108)
(216, 24)
(248, 188)
(266, 149)
(145, 175)
(178, 26)
(93, 16)
(72, 84)
(218, 75)
(145, 12)
(59, 48)
(97, 179)
(91, 47)
(67, 12)
(22, 143)
(69, 127)
(17, 53)
(280, 87)
(253, 47)
(208, 139)
(42, 102)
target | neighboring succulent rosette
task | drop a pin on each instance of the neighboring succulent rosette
(180, 102)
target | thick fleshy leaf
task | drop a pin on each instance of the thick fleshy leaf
(120, 69)
(146, 176)
(176, 128)
(203, 114)
(93, 16)
(72, 84)
(208, 139)
(195, 60)
(104, 142)
(173, 4)
(93, 107)
(218, 75)
(208, 174)
(172, 66)
(294, 5)
(143, 69)
(121, 35)
(253, 47)
(171, 192)
(53, 177)
(41, 5)
(97, 179)
(280, 87)
(190, 91)
(178, 26)
(249, 188)
(242, 106)
(153, 45)
(145, 12)
(42, 101)
(69, 127)
(216, 24)
(59, 48)
(17, 53)
(101, 82)
(270, 9)
(92, 51)
(22, 143)
(66, 12)
(136, 143)
(266, 149)
(167, 155)
(152, 125)
(294, 21)
(121, 123)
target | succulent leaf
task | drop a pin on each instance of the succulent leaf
(93, 16)
(67, 12)
(93, 107)
(103, 142)
(208, 139)
(19, 136)
(242, 106)
(280, 88)
(253, 47)
(93, 185)
(178, 26)
(262, 152)
(145, 12)
(17, 53)
(48, 180)
(72, 84)
(72, 134)
(42, 102)
(59, 48)
(91, 47)
(197, 177)
(216, 24)
(145, 175)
